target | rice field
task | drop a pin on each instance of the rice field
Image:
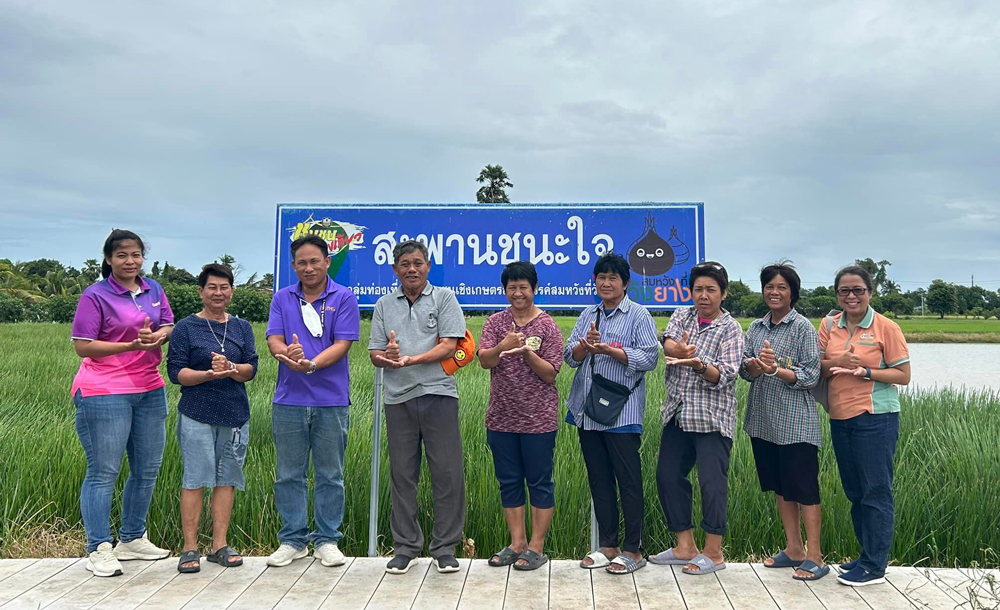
(947, 476)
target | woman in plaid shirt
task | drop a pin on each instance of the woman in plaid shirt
(781, 362)
(703, 346)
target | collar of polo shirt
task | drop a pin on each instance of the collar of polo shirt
(119, 289)
(866, 322)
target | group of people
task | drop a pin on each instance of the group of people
(852, 366)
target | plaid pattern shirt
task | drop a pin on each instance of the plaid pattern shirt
(698, 405)
(778, 412)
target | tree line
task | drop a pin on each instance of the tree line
(45, 290)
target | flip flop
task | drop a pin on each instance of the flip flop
(781, 560)
(534, 560)
(631, 565)
(504, 558)
(599, 558)
(668, 558)
(704, 564)
(811, 567)
(192, 556)
(222, 556)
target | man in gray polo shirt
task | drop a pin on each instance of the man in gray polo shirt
(414, 329)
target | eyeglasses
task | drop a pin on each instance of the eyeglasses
(856, 291)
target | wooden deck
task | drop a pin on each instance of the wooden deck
(363, 583)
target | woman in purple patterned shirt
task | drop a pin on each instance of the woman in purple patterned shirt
(522, 348)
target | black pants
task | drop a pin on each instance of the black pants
(679, 452)
(612, 457)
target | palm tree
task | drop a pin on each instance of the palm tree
(494, 191)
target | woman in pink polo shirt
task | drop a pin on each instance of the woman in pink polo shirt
(121, 407)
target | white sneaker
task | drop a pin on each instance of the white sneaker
(140, 548)
(285, 555)
(102, 562)
(329, 555)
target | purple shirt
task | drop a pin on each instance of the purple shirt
(338, 308)
(110, 312)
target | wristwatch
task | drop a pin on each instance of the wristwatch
(868, 374)
(312, 367)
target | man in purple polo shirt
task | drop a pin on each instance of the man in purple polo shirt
(310, 330)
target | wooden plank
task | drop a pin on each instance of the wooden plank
(397, 591)
(270, 587)
(96, 589)
(744, 589)
(614, 590)
(140, 588)
(314, 586)
(183, 588)
(834, 595)
(28, 578)
(9, 567)
(358, 585)
(658, 589)
(964, 583)
(485, 587)
(570, 587)
(224, 590)
(912, 583)
(884, 597)
(789, 594)
(53, 588)
(701, 591)
(528, 589)
(441, 591)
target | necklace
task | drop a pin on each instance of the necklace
(225, 331)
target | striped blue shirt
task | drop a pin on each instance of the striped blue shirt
(630, 328)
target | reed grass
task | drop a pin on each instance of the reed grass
(947, 485)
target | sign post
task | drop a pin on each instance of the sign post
(376, 466)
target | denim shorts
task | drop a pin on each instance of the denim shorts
(213, 455)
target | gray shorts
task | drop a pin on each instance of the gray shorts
(213, 455)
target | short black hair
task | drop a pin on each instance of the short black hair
(217, 270)
(117, 238)
(519, 270)
(612, 262)
(853, 270)
(713, 270)
(311, 240)
(405, 247)
(785, 270)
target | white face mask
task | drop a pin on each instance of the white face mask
(311, 319)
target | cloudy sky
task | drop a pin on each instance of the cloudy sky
(814, 131)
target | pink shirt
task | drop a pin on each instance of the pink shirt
(519, 400)
(109, 312)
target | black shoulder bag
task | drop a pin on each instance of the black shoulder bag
(607, 398)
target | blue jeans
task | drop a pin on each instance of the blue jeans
(109, 427)
(864, 446)
(297, 431)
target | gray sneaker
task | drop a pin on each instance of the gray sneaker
(140, 548)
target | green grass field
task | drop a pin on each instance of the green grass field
(947, 492)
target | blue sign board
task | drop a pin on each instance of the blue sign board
(469, 245)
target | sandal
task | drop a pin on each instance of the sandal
(598, 560)
(704, 564)
(631, 565)
(192, 556)
(781, 560)
(223, 555)
(814, 569)
(534, 560)
(504, 558)
(668, 558)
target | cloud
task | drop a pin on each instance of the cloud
(820, 133)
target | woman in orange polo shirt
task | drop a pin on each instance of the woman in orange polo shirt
(864, 355)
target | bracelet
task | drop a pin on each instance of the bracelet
(232, 366)
(701, 371)
(772, 374)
